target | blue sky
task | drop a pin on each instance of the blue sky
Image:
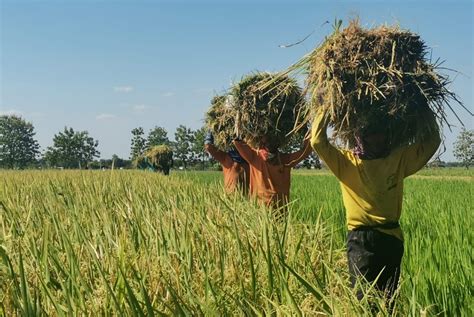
(110, 66)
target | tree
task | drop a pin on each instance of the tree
(138, 143)
(312, 161)
(113, 163)
(294, 143)
(197, 148)
(182, 146)
(18, 148)
(118, 162)
(464, 147)
(72, 149)
(157, 136)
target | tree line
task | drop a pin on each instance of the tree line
(77, 149)
(188, 145)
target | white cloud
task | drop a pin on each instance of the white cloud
(11, 112)
(125, 89)
(140, 108)
(168, 94)
(105, 116)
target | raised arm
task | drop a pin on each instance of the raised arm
(209, 146)
(333, 157)
(247, 153)
(296, 157)
(217, 154)
(417, 155)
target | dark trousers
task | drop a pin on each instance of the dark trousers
(370, 253)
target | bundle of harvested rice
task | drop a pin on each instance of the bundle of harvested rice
(265, 105)
(142, 162)
(220, 121)
(158, 158)
(376, 79)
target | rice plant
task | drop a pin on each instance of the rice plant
(139, 243)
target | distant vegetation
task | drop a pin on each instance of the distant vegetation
(78, 150)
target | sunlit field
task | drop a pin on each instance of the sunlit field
(108, 243)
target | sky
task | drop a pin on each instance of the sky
(110, 66)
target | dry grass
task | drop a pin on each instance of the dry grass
(220, 121)
(378, 79)
(260, 105)
(160, 157)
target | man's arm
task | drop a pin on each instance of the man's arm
(294, 158)
(209, 146)
(333, 157)
(217, 154)
(247, 153)
(417, 155)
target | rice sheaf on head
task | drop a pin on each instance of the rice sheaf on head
(261, 105)
(377, 79)
(267, 105)
(160, 156)
(220, 122)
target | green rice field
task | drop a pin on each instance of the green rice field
(133, 243)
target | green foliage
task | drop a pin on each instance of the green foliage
(447, 172)
(18, 148)
(72, 149)
(183, 144)
(138, 143)
(187, 148)
(134, 243)
(295, 143)
(197, 148)
(114, 162)
(157, 136)
(464, 147)
(118, 162)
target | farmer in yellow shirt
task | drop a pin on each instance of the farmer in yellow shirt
(371, 178)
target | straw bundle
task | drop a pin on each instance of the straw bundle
(158, 158)
(376, 80)
(220, 121)
(266, 106)
(260, 105)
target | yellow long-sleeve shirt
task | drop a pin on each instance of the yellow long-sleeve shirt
(372, 190)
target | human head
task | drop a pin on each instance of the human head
(268, 145)
(267, 150)
(372, 143)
